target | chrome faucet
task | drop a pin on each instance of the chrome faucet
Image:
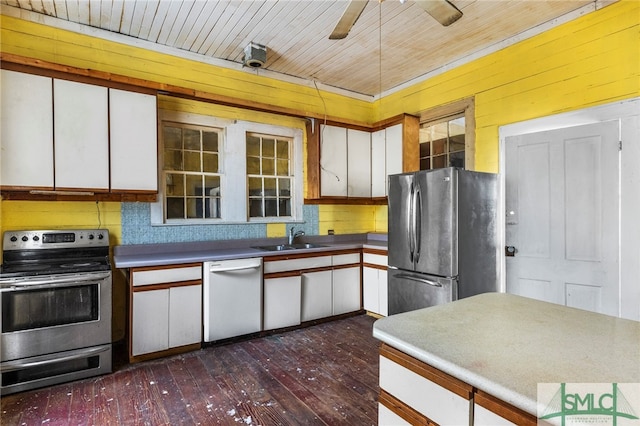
(293, 236)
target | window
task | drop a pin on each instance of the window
(269, 176)
(191, 170)
(224, 171)
(447, 136)
(442, 144)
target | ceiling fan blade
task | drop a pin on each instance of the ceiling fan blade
(441, 10)
(348, 18)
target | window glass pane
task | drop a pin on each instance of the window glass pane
(253, 165)
(212, 186)
(255, 187)
(212, 192)
(439, 146)
(192, 161)
(285, 206)
(282, 167)
(456, 159)
(210, 162)
(255, 207)
(456, 127)
(172, 137)
(425, 149)
(174, 184)
(425, 164)
(194, 208)
(284, 187)
(172, 159)
(270, 187)
(210, 141)
(282, 149)
(268, 148)
(270, 207)
(439, 161)
(253, 146)
(175, 208)
(191, 139)
(268, 166)
(194, 185)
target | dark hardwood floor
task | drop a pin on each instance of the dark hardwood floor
(324, 374)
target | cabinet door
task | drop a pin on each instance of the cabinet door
(370, 297)
(358, 163)
(316, 295)
(393, 138)
(81, 134)
(185, 315)
(282, 302)
(346, 290)
(26, 138)
(150, 322)
(378, 164)
(333, 161)
(134, 140)
(383, 293)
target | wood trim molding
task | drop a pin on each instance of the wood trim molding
(374, 266)
(443, 379)
(381, 252)
(403, 410)
(164, 286)
(503, 409)
(52, 195)
(165, 353)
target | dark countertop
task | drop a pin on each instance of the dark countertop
(130, 256)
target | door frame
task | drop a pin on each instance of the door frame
(628, 114)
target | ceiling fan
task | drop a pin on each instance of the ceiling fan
(442, 11)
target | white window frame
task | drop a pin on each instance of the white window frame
(233, 174)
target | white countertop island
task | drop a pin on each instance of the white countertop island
(505, 345)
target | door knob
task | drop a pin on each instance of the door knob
(510, 251)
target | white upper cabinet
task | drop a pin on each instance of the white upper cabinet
(133, 118)
(26, 140)
(355, 163)
(358, 163)
(81, 133)
(386, 158)
(333, 161)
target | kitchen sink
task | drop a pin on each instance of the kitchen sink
(283, 247)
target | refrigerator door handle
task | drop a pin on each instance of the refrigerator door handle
(410, 222)
(417, 228)
(420, 280)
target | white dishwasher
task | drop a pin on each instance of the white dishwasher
(232, 298)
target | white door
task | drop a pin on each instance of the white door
(562, 216)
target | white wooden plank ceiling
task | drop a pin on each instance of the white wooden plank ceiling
(391, 43)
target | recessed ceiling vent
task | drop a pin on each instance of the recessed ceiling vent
(255, 55)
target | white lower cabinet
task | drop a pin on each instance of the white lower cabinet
(423, 391)
(167, 318)
(346, 290)
(166, 310)
(484, 417)
(374, 287)
(150, 325)
(282, 302)
(317, 300)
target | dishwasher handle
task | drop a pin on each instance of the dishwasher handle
(235, 265)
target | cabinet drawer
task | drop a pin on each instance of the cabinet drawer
(374, 259)
(166, 275)
(296, 264)
(435, 402)
(345, 259)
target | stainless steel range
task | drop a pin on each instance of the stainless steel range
(55, 307)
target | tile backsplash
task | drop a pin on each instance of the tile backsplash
(137, 228)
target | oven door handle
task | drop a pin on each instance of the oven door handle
(40, 361)
(52, 281)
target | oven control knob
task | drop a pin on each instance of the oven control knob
(36, 238)
(25, 238)
(91, 236)
(14, 239)
(100, 236)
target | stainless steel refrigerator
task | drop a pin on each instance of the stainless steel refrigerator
(443, 237)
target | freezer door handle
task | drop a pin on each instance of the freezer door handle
(420, 280)
(417, 229)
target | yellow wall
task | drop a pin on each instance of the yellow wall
(589, 61)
